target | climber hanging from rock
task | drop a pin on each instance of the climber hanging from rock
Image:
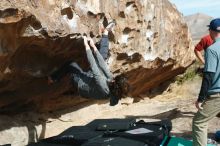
(98, 82)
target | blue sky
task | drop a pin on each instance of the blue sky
(188, 7)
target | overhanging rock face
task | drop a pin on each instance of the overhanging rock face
(150, 44)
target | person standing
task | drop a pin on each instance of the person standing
(208, 102)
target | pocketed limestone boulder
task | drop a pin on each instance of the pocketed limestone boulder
(150, 44)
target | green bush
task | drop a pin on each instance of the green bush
(188, 75)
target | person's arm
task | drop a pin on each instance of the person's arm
(206, 84)
(198, 48)
(92, 44)
(97, 75)
(85, 41)
(90, 57)
(101, 62)
(211, 63)
(199, 56)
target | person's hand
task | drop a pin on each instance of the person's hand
(198, 105)
(85, 40)
(92, 44)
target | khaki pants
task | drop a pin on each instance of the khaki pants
(211, 107)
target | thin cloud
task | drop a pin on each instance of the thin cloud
(201, 4)
(209, 7)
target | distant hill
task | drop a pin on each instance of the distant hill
(198, 25)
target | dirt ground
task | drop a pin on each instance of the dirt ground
(175, 103)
